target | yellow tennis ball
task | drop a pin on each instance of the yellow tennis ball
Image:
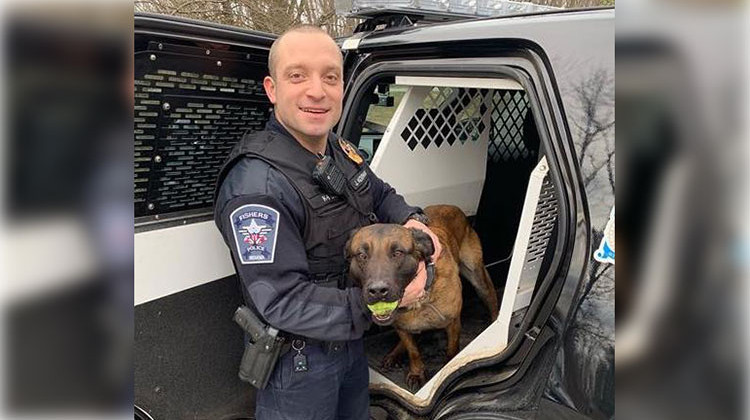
(382, 308)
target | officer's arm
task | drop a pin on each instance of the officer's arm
(277, 280)
(390, 206)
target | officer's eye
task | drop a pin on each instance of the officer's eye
(332, 78)
(296, 76)
(398, 253)
(362, 256)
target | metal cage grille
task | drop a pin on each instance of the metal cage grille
(188, 116)
(509, 109)
(545, 218)
(447, 115)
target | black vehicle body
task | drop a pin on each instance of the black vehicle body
(186, 347)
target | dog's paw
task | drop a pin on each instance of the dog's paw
(415, 380)
(390, 362)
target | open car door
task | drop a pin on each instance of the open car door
(477, 114)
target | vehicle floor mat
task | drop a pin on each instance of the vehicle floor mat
(432, 345)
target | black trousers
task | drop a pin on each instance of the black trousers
(334, 386)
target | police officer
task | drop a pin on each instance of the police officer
(287, 232)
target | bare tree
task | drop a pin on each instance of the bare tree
(583, 374)
(273, 16)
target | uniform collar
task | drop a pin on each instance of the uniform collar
(275, 126)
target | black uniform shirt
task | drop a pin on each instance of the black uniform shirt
(280, 289)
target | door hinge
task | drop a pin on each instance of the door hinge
(533, 333)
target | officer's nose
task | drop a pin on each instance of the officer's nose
(377, 291)
(315, 89)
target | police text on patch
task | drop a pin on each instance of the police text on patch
(255, 229)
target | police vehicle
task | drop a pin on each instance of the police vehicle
(510, 118)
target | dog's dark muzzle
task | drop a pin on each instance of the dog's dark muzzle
(381, 291)
(377, 292)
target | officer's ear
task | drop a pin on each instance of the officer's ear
(269, 85)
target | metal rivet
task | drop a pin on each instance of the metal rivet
(268, 347)
(247, 56)
(156, 217)
(543, 167)
(150, 206)
(160, 46)
(218, 63)
(208, 52)
(157, 158)
(165, 106)
(152, 57)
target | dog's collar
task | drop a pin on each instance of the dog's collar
(430, 266)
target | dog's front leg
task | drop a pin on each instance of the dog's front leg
(453, 331)
(391, 360)
(415, 377)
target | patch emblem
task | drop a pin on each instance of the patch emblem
(606, 251)
(358, 179)
(255, 228)
(350, 151)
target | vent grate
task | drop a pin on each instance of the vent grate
(509, 108)
(545, 218)
(447, 115)
(185, 124)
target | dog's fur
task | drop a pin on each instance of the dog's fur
(383, 259)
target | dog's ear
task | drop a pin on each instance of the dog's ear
(422, 243)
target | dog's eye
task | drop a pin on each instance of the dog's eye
(397, 253)
(362, 256)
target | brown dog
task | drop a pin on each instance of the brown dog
(383, 259)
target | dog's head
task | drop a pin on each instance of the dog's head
(383, 259)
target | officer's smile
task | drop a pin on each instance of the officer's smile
(312, 110)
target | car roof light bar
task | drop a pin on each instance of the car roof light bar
(437, 10)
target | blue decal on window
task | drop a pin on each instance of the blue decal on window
(255, 227)
(606, 251)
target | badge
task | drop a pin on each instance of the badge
(255, 227)
(350, 151)
(606, 251)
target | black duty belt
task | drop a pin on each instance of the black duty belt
(328, 347)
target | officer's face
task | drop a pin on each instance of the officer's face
(307, 88)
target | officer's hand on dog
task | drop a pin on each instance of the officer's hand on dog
(415, 289)
(411, 223)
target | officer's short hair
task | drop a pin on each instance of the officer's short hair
(306, 28)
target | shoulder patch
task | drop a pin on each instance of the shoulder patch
(255, 229)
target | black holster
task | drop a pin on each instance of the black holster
(261, 355)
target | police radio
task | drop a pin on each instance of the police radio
(329, 176)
